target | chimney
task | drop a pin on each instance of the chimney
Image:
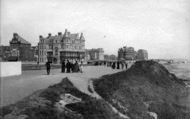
(59, 33)
(15, 35)
(65, 30)
(81, 34)
(40, 36)
(49, 35)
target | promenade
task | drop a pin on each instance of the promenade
(17, 87)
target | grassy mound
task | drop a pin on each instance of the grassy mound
(146, 87)
(42, 105)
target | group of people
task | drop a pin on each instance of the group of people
(119, 65)
(114, 64)
(67, 66)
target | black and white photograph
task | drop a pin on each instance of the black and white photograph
(95, 59)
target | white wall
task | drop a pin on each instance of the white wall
(10, 69)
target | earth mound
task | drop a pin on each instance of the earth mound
(146, 89)
(60, 101)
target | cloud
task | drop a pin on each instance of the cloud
(160, 26)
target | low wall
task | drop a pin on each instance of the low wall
(10, 69)
(39, 67)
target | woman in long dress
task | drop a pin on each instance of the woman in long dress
(81, 67)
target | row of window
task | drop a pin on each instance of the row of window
(42, 46)
(41, 52)
(41, 59)
(63, 46)
(64, 41)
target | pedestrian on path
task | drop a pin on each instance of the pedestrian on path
(113, 65)
(63, 66)
(126, 65)
(118, 63)
(68, 66)
(48, 67)
(81, 67)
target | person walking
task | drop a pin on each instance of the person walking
(118, 63)
(126, 65)
(113, 65)
(72, 66)
(48, 67)
(81, 67)
(68, 66)
(63, 66)
(76, 67)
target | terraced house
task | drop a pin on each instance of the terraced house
(61, 47)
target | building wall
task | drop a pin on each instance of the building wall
(110, 57)
(95, 54)
(129, 53)
(142, 54)
(61, 47)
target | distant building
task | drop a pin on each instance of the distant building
(127, 53)
(94, 54)
(110, 57)
(21, 48)
(142, 54)
(61, 47)
(35, 51)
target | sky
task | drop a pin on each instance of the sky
(160, 26)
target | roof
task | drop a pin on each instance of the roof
(21, 40)
(74, 36)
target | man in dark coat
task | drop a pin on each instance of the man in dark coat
(113, 65)
(118, 63)
(68, 65)
(76, 67)
(72, 66)
(126, 66)
(63, 66)
(48, 67)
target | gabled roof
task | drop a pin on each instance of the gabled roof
(22, 40)
(18, 38)
(74, 36)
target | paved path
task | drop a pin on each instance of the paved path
(17, 87)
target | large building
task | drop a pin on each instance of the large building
(61, 47)
(110, 57)
(21, 48)
(142, 54)
(129, 53)
(95, 54)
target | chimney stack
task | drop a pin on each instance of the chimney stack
(81, 34)
(40, 36)
(65, 30)
(15, 35)
(59, 33)
(49, 35)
